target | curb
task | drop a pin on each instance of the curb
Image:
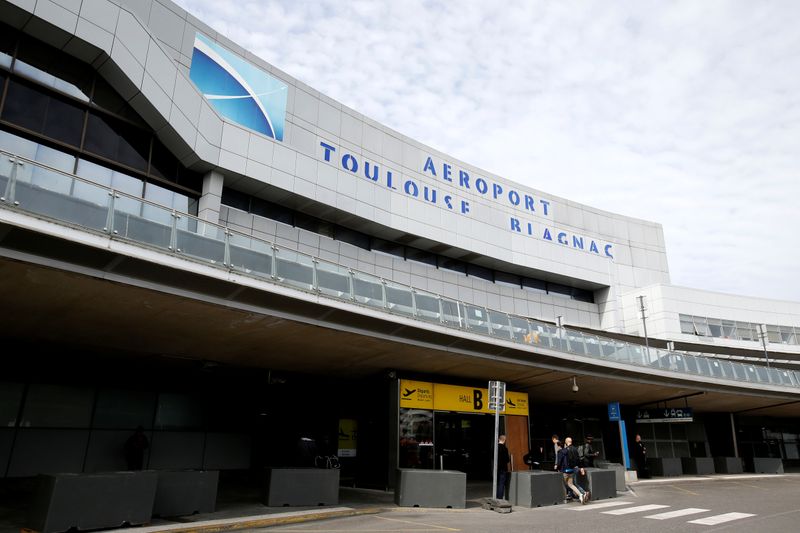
(235, 524)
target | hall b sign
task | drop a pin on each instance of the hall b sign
(652, 416)
(440, 397)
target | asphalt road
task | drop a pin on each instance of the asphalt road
(753, 505)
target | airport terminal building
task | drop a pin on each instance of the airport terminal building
(196, 243)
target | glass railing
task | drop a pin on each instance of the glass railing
(34, 188)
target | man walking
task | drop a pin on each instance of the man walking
(569, 464)
(503, 458)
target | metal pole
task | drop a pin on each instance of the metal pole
(733, 434)
(644, 325)
(496, 438)
(762, 332)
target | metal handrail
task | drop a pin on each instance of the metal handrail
(109, 211)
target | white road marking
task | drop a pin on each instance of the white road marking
(675, 514)
(603, 505)
(637, 509)
(720, 519)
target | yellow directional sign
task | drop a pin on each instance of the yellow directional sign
(440, 397)
(416, 394)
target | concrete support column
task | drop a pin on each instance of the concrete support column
(211, 200)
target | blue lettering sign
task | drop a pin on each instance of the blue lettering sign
(429, 167)
(328, 149)
(446, 172)
(349, 158)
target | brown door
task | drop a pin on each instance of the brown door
(517, 440)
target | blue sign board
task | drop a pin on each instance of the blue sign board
(613, 412)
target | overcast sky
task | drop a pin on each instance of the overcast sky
(684, 113)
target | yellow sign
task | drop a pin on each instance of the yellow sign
(440, 397)
(416, 394)
(348, 436)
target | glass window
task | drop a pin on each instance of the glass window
(787, 335)
(106, 97)
(163, 165)
(235, 199)
(190, 179)
(356, 238)
(117, 141)
(451, 264)
(313, 224)
(10, 397)
(8, 39)
(678, 431)
(54, 69)
(388, 247)
(51, 116)
(557, 289)
(687, 325)
(269, 210)
(416, 439)
(480, 272)
(178, 411)
(662, 431)
(534, 285)
(510, 280)
(744, 331)
(421, 256)
(57, 406)
(773, 334)
(729, 329)
(124, 409)
(582, 295)
(715, 327)
(701, 326)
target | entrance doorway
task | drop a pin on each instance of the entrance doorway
(465, 442)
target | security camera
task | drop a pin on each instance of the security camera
(575, 385)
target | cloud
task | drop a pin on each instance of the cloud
(685, 113)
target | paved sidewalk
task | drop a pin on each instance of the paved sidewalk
(241, 509)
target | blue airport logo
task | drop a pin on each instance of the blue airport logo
(239, 91)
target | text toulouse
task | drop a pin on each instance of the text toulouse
(482, 186)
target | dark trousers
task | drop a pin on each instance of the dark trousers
(502, 480)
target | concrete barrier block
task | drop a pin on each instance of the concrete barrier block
(301, 486)
(600, 482)
(185, 492)
(536, 488)
(92, 501)
(665, 466)
(767, 465)
(431, 488)
(619, 472)
(698, 466)
(728, 465)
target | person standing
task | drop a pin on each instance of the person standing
(640, 456)
(556, 449)
(587, 452)
(134, 449)
(503, 459)
(569, 465)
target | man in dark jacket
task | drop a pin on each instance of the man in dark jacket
(640, 457)
(588, 453)
(569, 464)
(503, 458)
